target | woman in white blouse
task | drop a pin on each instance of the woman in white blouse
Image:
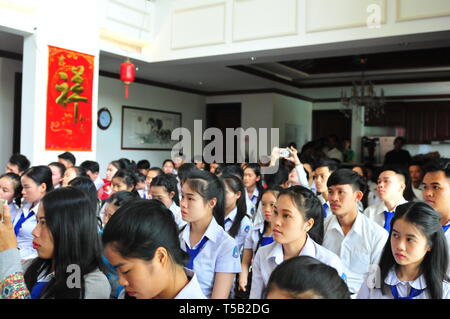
(415, 259)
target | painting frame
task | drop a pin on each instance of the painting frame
(150, 131)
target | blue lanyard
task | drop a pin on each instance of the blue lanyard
(194, 252)
(413, 293)
(387, 220)
(38, 287)
(21, 221)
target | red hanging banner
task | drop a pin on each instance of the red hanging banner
(69, 100)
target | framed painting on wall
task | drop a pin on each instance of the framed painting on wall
(148, 129)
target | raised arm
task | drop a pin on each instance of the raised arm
(12, 283)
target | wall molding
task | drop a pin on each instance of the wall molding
(222, 41)
(282, 34)
(265, 91)
(399, 17)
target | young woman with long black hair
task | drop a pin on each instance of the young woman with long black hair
(69, 263)
(214, 255)
(237, 223)
(36, 182)
(297, 225)
(415, 259)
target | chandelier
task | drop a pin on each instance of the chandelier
(364, 98)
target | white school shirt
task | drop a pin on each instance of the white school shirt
(24, 237)
(269, 257)
(192, 290)
(328, 210)
(251, 203)
(176, 211)
(13, 210)
(447, 236)
(376, 212)
(143, 193)
(360, 248)
(418, 193)
(403, 288)
(251, 242)
(99, 182)
(244, 228)
(219, 254)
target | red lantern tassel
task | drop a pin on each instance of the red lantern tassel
(126, 91)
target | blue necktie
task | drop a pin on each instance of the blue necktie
(387, 220)
(38, 287)
(325, 207)
(21, 221)
(194, 252)
(446, 227)
(413, 293)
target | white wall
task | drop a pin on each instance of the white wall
(292, 111)
(8, 68)
(111, 92)
(192, 28)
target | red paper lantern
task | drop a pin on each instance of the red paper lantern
(127, 70)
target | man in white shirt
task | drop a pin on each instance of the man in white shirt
(322, 171)
(436, 191)
(416, 174)
(390, 187)
(351, 235)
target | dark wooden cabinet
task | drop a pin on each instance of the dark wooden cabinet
(423, 121)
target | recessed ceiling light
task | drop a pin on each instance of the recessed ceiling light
(137, 68)
(200, 83)
(252, 58)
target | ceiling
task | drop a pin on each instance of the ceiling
(414, 65)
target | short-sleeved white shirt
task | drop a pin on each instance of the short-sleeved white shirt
(269, 257)
(244, 228)
(403, 288)
(219, 254)
(24, 237)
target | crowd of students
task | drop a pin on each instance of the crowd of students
(209, 230)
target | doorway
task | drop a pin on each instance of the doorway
(223, 116)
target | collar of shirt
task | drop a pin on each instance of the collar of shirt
(211, 232)
(174, 207)
(322, 200)
(255, 194)
(192, 290)
(232, 215)
(392, 280)
(27, 209)
(357, 226)
(383, 206)
(308, 250)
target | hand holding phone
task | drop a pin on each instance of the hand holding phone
(284, 152)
